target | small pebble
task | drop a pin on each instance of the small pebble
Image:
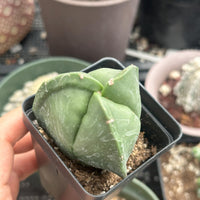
(142, 44)
(21, 61)
(33, 50)
(28, 84)
(56, 148)
(165, 89)
(8, 107)
(175, 74)
(43, 35)
(16, 48)
(135, 35)
(18, 96)
(46, 137)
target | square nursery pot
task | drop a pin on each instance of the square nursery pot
(88, 29)
(161, 131)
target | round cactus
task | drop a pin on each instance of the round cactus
(93, 118)
(187, 89)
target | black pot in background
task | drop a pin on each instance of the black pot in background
(171, 23)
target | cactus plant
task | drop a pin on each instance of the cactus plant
(187, 89)
(93, 118)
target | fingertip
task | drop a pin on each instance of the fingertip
(25, 164)
(12, 126)
(24, 144)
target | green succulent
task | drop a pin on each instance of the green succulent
(93, 118)
(187, 89)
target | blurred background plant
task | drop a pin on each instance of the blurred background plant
(16, 17)
(196, 154)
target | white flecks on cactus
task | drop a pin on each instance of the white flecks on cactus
(187, 90)
(109, 121)
(93, 118)
(81, 76)
(111, 81)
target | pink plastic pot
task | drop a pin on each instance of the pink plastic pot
(159, 72)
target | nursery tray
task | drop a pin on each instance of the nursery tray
(161, 130)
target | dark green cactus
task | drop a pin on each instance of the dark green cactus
(93, 118)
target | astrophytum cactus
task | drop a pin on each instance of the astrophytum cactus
(93, 118)
(187, 89)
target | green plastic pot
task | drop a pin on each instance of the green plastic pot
(32, 70)
(136, 190)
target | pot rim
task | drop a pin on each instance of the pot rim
(136, 189)
(92, 3)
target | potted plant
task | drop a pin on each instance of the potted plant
(179, 171)
(88, 29)
(14, 83)
(61, 176)
(157, 82)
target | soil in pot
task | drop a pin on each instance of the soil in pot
(168, 99)
(97, 181)
(180, 170)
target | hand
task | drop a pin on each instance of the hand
(17, 157)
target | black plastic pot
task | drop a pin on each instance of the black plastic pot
(171, 23)
(160, 128)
